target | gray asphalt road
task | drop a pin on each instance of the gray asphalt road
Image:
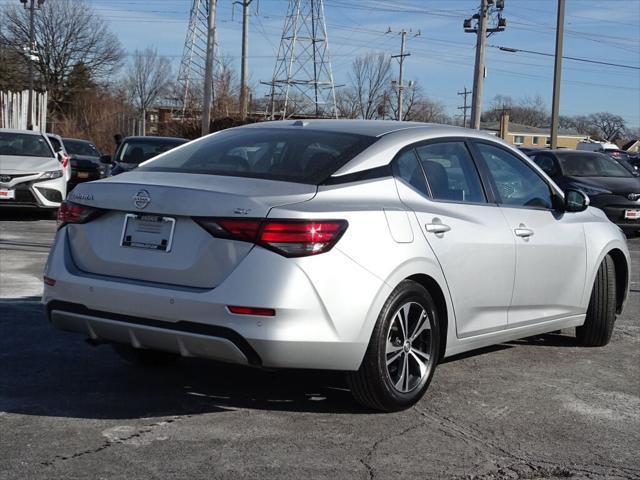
(537, 408)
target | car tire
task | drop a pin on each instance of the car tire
(379, 383)
(601, 313)
(145, 357)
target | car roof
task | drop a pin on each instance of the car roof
(16, 130)
(372, 128)
(392, 135)
(153, 137)
(78, 140)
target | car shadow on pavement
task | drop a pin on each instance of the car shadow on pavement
(46, 372)
(24, 215)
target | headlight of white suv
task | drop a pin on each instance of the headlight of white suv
(51, 175)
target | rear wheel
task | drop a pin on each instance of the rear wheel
(143, 356)
(402, 353)
(601, 314)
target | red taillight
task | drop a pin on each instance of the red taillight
(73, 213)
(261, 312)
(65, 161)
(301, 238)
(291, 238)
(49, 281)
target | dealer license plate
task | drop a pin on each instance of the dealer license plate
(6, 194)
(632, 214)
(151, 232)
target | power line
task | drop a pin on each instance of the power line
(576, 59)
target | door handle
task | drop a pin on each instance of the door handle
(523, 232)
(437, 227)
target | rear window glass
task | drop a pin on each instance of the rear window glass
(303, 156)
(138, 151)
(76, 147)
(24, 145)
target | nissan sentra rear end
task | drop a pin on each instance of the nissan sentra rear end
(201, 252)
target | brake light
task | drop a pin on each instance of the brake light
(70, 212)
(301, 238)
(291, 238)
(261, 312)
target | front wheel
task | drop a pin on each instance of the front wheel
(403, 351)
(601, 313)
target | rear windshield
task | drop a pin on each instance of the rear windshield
(24, 145)
(302, 156)
(138, 151)
(591, 165)
(76, 147)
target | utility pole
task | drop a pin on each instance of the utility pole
(244, 89)
(208, 69)
(557, 74)
(403, 35)
(465, 106)
(481, 31)
(400, 57)
(30, 54)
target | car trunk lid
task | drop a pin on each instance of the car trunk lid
(194, 257)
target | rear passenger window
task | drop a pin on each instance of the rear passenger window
(407, 168)
(451, 173)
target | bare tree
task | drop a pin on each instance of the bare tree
(147, 79)
(370, 76)
(610, 127)
(531, 111)
(347, 103)
(67, 33)
(226, 87)
(429, 111)
(412, 95)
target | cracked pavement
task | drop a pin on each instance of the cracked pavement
(535, 408)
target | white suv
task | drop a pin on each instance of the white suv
(31, 174)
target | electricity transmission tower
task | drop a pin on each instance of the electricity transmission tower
(302, 82)
(192, 70)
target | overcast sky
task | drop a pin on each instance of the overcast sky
(442, 57)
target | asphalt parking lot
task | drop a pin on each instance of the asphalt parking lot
(536, 408)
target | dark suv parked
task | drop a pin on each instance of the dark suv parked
(85, 161)
(612, 185)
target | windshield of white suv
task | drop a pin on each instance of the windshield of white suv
(578, 164)
(295, 155)
(24, 145)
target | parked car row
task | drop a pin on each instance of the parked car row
(38, 170)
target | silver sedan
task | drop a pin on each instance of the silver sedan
(376, 248)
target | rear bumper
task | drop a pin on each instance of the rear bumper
(186, 338)
(319, 321)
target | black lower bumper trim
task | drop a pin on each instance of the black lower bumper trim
(181, 326)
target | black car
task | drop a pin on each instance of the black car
(85, 161)
(135, 150)
(612, 185)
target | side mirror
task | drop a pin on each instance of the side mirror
(105, 159)
(575, 201)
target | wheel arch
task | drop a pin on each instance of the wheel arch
(432, 286)
(622, 277)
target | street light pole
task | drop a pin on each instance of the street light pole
(557, 74)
